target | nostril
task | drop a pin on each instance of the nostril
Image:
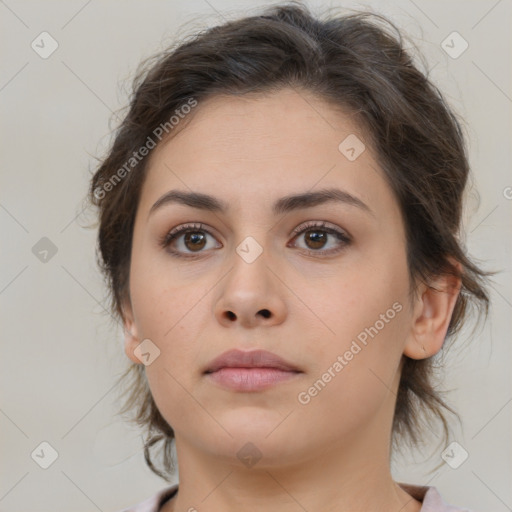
(231, 315)
(265, 313)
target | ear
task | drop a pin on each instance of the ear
(131, 337)
(432, 314)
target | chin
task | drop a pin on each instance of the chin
(263, 436)
(259, 452)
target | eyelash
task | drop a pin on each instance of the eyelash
(172, 235)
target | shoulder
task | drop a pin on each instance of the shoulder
(155, 502)
(430, 498)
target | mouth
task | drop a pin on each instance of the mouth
(250, 379)
(250, 371)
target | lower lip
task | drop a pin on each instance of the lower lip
(250, 379)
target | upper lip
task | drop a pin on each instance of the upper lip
(249, 359)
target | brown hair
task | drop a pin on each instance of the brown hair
(356, 62)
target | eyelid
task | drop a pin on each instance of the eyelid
(323, 225)
(183, 228)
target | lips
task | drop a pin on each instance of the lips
(250, 359)
(254, 371)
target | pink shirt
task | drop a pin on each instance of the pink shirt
(429, 497)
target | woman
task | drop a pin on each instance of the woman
(279, 223)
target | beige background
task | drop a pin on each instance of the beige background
(60, 353)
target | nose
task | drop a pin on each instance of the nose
(251, 295)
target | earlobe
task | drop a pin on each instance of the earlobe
(433, 312)
(131, 338)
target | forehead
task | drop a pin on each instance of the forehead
(263, 126)
(257, 148)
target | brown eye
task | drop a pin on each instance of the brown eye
(187, 240)
(194, 240)
(315, 239)
(317, 235)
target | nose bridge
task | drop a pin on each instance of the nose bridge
(251, 261)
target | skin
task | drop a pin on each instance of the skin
(331, 454)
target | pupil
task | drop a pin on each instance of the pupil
(194, 238)
(317, 238)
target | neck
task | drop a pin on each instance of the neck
(334, 480)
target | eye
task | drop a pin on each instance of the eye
(317, 234)
(190, 240)
(187, 240)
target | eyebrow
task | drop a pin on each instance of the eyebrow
(283, 205)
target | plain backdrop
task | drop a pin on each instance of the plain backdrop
(61, 354)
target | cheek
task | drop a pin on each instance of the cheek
(348, 402)
(355, 371)
(364, 321)
(362, 296)
(169, 317)
(164, 302)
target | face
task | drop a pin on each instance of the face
(323, 284)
